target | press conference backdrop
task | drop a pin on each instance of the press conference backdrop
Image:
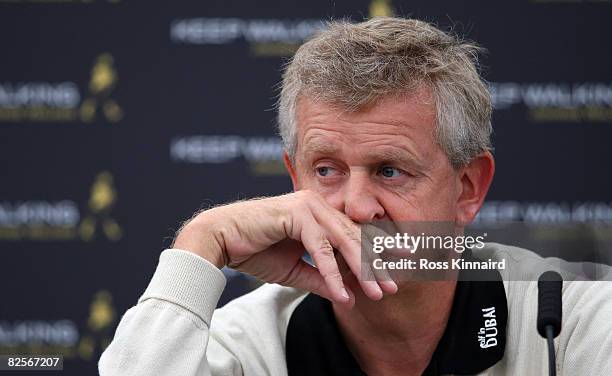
(119, 119)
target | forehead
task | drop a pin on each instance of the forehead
(405, 121)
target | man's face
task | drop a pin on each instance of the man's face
(379, 163)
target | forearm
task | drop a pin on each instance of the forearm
(166, 332)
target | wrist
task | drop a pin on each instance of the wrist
(199, 238)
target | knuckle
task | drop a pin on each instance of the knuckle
(348, 242)
(326, 246)
(332, 274)
(351, 232)
(324, 249)
(353, 235)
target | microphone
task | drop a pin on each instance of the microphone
(550, 312)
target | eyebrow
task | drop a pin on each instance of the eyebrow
(318, 147)
(394, 155)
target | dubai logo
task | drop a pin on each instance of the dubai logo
(63, 220)
(101, 203)
(98, 334)
(487, 335)
(63, 101)
(381, 8)
(102, 83)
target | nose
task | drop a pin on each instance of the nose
(360, 202)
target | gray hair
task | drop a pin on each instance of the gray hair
(354, 65)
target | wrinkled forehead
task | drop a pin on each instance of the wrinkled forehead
(404, 119)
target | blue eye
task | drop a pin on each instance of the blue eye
(389, 172)
(323, 171)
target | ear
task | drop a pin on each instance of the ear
(475, 180)
(291, 170)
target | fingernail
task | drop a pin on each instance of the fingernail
(375, 291)
(345, 294)
(391, 285)
(379, 294)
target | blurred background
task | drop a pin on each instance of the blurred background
(119, 119)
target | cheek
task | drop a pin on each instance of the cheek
(303, 179)
(427, 202)
(306, 180)
(443, 203)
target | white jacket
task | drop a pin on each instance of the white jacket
(176, 330)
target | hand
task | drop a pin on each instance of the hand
(266, 238)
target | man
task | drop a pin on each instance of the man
(386, 119)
